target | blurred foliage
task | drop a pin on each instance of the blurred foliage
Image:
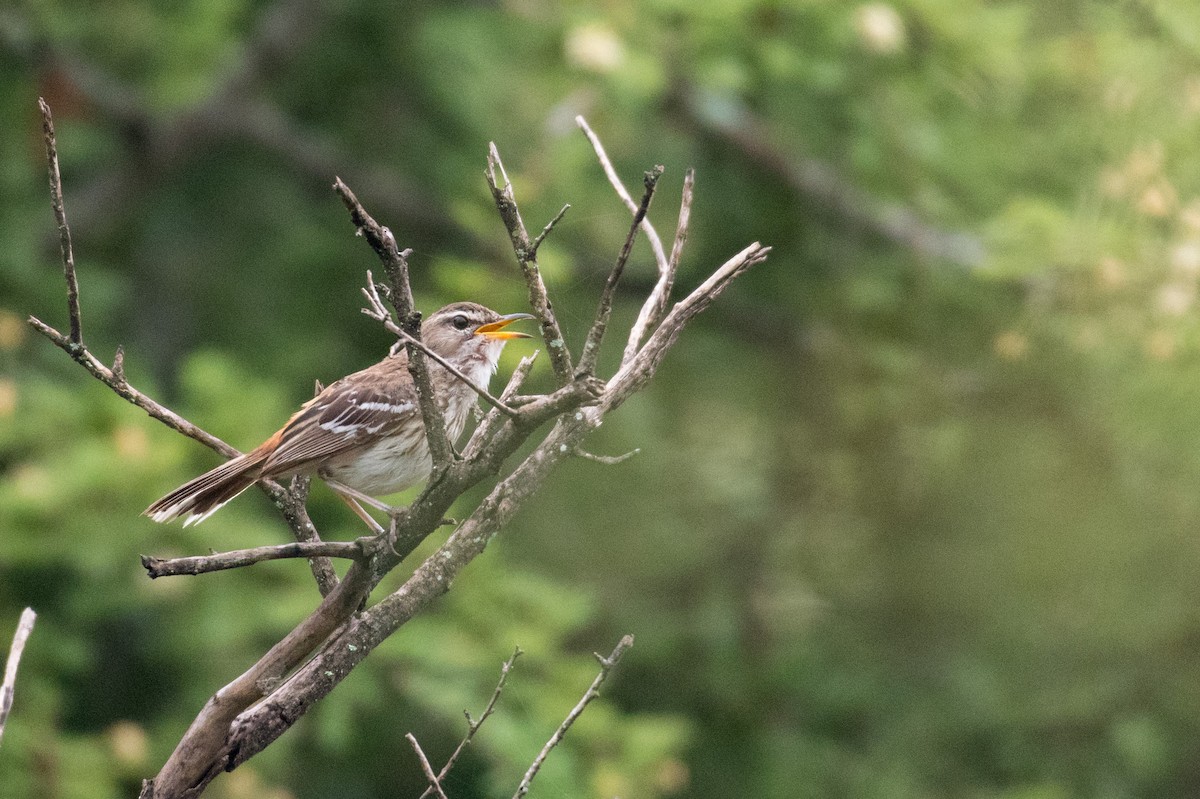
(901, 525)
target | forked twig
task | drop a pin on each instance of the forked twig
(435, 783)
(473, 725)
(656, 245)
(290, 506)
(655, 307)
(591, 347)
(526, 252)
(607, 664)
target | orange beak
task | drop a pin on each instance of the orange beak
(495, 330)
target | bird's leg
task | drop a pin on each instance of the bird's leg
(358, 509)
(347, 491)
(375, 526)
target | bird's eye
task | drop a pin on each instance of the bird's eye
(460, 322)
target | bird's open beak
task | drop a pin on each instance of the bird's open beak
(496, 329)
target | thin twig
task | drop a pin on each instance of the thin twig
(236, 559)
(537, 242)
(60, 216)
(526, 252)
(379, 313)
(483, 431)
(8, 687)
(606, 460)
(633, 375)
(473, 725)
(606, 665)
(435, 784)
(656, 245)
(655, 307)
(395, 264)
(591, 348)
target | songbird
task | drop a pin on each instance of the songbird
(363, 435)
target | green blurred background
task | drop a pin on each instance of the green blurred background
(916, 508)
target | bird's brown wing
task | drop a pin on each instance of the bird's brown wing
(353, 412)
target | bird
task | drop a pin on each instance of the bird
(364, 435)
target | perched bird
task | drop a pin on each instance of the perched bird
(364, 434)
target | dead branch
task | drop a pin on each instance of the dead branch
(526, 252)
(435, 784)
(250, 712)
(660, 257)
(607, 664)
(591, 347)
(64, 231)
(473, 725)
(238, 558)
(8, 687)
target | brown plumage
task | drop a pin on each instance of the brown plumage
(363, 434)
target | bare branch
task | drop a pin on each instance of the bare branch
(660, 257)
(8, 687)
(291, 506)
(633, 375)
(395, 264)
(526, 252)
(606, 460)
(302, 668)
(606, 665)
(123, 388)
(60, 216)
(591, 348)
(473, 725)
(236, 559)
(435, 784)
(537, 242)
(655, 306)
(192, 764)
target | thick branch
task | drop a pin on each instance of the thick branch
(262, 724)
(192, 765)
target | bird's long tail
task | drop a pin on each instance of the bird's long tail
(198, 499)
